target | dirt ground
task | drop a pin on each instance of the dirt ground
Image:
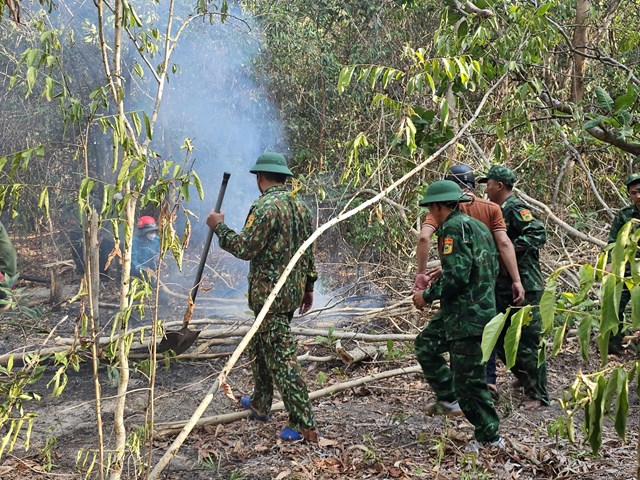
(378, 430)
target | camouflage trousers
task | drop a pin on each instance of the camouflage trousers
(274, 360)
(532, 377)
(463, 381)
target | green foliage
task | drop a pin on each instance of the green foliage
(491, 333)
(14, 395)
(329, 340)
(603, 394)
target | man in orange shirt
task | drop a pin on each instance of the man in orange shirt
(488, 213)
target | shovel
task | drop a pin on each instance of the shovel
(180, 340)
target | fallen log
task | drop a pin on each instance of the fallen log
(217, 337)
(163, 429)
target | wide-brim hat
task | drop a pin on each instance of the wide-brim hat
(271, 162)
(443, 191)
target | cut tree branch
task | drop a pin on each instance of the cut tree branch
(171, 428)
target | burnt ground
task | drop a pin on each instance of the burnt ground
(378, 430)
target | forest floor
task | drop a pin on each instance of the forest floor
(377, 430)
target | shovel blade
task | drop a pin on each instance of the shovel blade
(178, 340)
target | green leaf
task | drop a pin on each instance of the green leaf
(611, 292)
(593, 122)
(32, 73)
(444, 112)
(604, 99)
(512, 337)
(542, 9)
(601, 265)
(432, 84)
(344, 79)
(584, 335)
(596, 415)
(147, 125)
(635, 306)
(491, 333)
(198, 184)
(622, 405)
(625, 101)
(548, 302)
(136, 122)
(558, 338)
(587, 278)
(44, 201)
(611, 388)
(48, 88)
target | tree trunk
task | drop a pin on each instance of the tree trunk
(579, 44)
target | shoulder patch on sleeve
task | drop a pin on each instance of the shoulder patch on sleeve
(447, 247)
(526, 214)
(250, 220)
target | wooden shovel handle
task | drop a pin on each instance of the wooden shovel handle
(207, 244)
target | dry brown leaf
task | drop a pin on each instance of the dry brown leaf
(4, 469)
(283, 474)
(325, 442)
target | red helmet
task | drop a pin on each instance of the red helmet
(147, 224)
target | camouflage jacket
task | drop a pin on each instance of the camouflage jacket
(276, 226)
(525, 231)
(8, 257)
(467, 285)
(624, 215)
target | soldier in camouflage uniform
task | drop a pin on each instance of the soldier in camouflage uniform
(275, 228)
(466, 291)
(527, 234)
(624, 215)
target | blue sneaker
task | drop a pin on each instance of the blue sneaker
(290, 435)
(246, 403)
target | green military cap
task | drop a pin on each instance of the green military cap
(500, 173)
(632, 178)
(443, 191)
(271, 162)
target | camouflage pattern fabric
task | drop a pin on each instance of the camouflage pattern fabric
(8, 257)
(469, 267)
(466, 290)
(463, 380)
(525, 231)
(532, 378)
(273, 354)
(275, 228)
(625, 215)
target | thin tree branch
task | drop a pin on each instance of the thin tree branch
(571, 230)
(578, 157)
(174, 427)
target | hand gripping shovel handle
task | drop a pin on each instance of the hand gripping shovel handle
(207, 243)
